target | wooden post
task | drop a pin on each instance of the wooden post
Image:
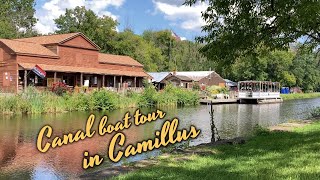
(103, 79)
(135, 82)
(81, 79)
(120, 81)
(114, 82)
(55, 77)
(25, 79)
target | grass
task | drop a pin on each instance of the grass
(34, 102)
(268, 155)
(300, 96)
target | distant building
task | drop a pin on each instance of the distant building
(233, 86)
(186, 79)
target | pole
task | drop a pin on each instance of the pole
(214, 129)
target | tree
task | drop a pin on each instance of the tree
(130, 44)
(306, 70)
(17, 18)
(267, 66)
(178, 55)
(235, 27)
(99, 29)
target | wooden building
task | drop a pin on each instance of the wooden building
(187, 78)
(70, 58)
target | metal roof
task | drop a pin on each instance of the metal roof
(195, 75)
(230, 83)
(158, 76)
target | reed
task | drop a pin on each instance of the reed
(34, 102)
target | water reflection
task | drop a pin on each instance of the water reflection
(19, 158)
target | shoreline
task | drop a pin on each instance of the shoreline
(187, 154)
(297, 96)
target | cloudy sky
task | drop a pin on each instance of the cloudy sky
(139, 15)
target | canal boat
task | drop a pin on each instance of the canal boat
(259, 92)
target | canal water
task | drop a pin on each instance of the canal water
(20, 159)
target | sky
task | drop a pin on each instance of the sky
(139, 15)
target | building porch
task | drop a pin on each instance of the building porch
(80, 82)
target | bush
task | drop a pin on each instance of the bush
(217, 90)
(33, 101)
(104, 100)
(315, 113)
(59, 88)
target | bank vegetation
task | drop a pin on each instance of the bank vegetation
(34, 102)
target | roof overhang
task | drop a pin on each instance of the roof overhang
(74, 69)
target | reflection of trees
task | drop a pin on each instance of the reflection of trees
(18, 150)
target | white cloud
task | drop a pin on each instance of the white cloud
(186, 17)
(183, 38)
(54, 8)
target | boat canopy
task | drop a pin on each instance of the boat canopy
(258, 86)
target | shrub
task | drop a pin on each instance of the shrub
(104, 100)
(315, 113)
(59, 88)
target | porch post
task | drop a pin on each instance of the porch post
(114, 82)
(81, 79)
(103, 79)
(120, 81)
(55, 77)
(135, 82)
(25, 79)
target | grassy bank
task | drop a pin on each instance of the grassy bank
(32, 101)
(268, 155)
(300, 96)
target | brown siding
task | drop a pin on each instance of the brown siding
(79, 41)
(8, 71)
(213, 79)
(76, 57)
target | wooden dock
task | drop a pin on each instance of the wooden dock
(218, 101)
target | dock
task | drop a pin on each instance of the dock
(218, 101)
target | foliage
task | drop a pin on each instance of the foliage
(195, 86)
(130, 44)
(217, 90)
(306, 69)
(59, 88)
(32, 101)
(104, 100)
(315, 113)
(17, 18)
(273, 155)
(100, 30)
(178, 55)
(300, 96)
(235, 27)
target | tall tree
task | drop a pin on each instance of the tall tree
(130, 44)
(17, 18)
(100, 29)
(236, 27)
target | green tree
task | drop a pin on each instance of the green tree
(178, 55)
(267, 66)
(235, 27)
(306, 70)
(130, 44)
(17, 18)
(99, 29)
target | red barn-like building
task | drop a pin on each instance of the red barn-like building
(70, 58)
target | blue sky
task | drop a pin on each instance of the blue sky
(139, 15)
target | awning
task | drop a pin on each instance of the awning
(75, 69)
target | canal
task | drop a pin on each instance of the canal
(19, 158)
